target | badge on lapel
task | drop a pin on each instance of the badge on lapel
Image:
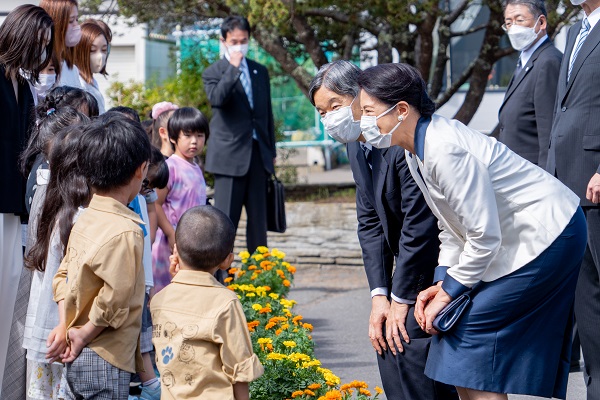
(255, 72)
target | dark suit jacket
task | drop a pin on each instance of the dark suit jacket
(574, 154)
(17, 120)
(393, 220)
(525, 117)
(229, 146)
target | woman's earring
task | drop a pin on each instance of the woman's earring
(400, 118)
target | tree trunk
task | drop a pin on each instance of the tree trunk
(306, 36)
(384, 46)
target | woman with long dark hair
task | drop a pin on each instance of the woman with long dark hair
(512, 237)
(26, 40)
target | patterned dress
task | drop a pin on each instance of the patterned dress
(186, 189)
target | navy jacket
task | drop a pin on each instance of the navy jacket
(393, 221)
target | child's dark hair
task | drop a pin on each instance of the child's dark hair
(158, 171)
(128, 112)
(187, 119)
(147, 124)
(69, 96)
(47, 126)
(111, 149)
(204, 237)
(66, 191)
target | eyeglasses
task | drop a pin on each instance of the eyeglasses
(509, 22)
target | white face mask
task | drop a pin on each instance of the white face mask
(46, 81)
(521, 37)
(242, 48)
(371, 132)
(340, 124)
(97, 61)
(73, 36)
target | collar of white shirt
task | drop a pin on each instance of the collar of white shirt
(526, 54)
(594, 17)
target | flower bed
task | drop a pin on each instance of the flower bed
(280, 338)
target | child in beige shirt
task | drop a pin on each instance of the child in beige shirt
(200, 333)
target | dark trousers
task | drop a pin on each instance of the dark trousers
(403, 375)
(587, 305)
(250, 191)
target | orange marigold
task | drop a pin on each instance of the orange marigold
(314, 386)
(307, 326)
(265, 310)
(232, 271)
(252, 268)
(378, 390)
(228, 279)
(364, 391)
(297, 319)
(291, 269)
(286, 283)
(280, 273)
(278, 332)
(269, 325)
(269, 347)
(309, 392)
(241, 273)
(297, 393)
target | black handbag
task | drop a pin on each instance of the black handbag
(276, 205)
(446, 319)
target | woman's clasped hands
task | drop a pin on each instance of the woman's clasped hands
(429, 304)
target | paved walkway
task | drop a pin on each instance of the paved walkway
(337, 302)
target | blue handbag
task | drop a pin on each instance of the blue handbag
(446, 319)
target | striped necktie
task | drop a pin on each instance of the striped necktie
(583, 34)
(245, 80)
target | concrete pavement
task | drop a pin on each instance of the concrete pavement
(337, 302)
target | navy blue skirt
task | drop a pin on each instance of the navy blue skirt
(515, 336)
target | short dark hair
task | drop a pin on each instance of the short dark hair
(128, 112)
(158, 170)
(20, 43)
(536, 7)
(234, 22)
(204, 237)
(187, 119)
(77, 98)
(395, 82)
(111, 149)
(339, 76)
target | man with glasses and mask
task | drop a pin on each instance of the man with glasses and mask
(525, 117)
(394, 221)
(574, 158)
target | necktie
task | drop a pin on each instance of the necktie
(368, 156)
(245, 80)
(583, 34)
(519, 68)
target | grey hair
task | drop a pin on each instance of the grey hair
(339, 76)
(536, 7)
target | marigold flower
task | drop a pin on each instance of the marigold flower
(278, 253)
(257, 257)
(251, 267)
(291, 269)
(286, 283)
(262, 249)
(285, 326)
(287, 303)
(267, 288)
(297, 319)
(253, 324)
(280, 273)
(264, 340)
(307, 326)
(244, 260)
(241, 273)
(289, 343)
(250, 294)
(278, 332)
(276, 356)
(274, 296)
(256, 307)
(269, 347)
(313, 363)
(269, 325)
(228, 279)
(265, 310)
(287, 312)
(364, 391)
(231, 288)
(297, 393)
(296, 357)
(378, 390)
(314, 386)
(232, 271)
(333, 395)
(243, 254)
(309, 392)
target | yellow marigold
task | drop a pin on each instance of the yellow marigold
(297, 393)
(269, 325)
(295, 330)
(287, 303)
(297, 357)
(289, 343)
(232, 271)
(309, 392)
(250, 294)
(276, 356)
(262, 249)
(314, 386)
(228, 279)
(256, 307)
(243, 254)
(278, 253)
(238, 296)
(297, 319)
(264, 340)
(308, 326)
(274, 296)
(291, 269)
(286, 283)
(244, 260)
(287, 313)
(330, 378)
(378, 390)
(257, 257)
(285, 264)
(364, 391)
(313, 363)
(251, 267)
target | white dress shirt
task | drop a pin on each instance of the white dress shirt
(593, 19)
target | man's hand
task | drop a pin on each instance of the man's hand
(434, 307)
(380, 307)
(396, 323)
(593, 189)
(422, 300)
(56, 343)
(235, 58)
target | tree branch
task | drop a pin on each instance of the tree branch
(342, 17)
(466, 74)
(453, 16)
(469, 31)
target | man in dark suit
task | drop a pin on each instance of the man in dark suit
(574, 158)
(394, 221)
(241, 149)
(525, 117)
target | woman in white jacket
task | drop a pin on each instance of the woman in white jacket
(511, 234)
